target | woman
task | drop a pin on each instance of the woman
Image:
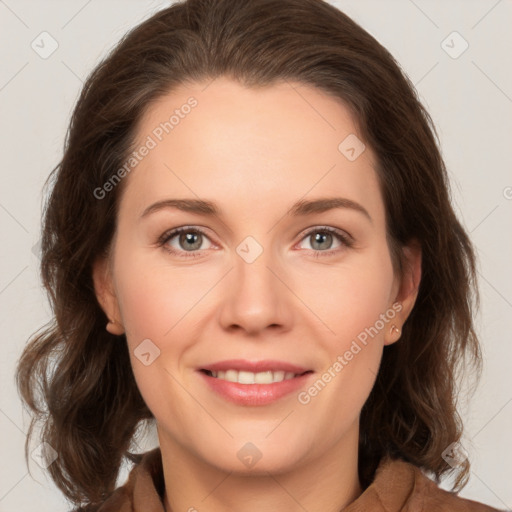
(208, 159)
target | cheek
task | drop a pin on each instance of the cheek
(351, 297)
(164, 305)
(154, 299)
(154, 303)
(356, 308)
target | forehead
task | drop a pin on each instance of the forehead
(246, 147)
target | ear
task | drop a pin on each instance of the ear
(105, 293)
(407, 290)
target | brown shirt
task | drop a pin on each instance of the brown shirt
(397, 487)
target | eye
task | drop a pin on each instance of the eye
(187, 242)
(321, 240)
(183, 240)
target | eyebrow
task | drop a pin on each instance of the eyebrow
(300, 208)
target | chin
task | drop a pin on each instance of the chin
(258, 457)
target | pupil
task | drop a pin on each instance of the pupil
(189, 238)
(319, 238)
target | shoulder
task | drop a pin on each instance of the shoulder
(144, 486)
(425, 495)
(432, 497)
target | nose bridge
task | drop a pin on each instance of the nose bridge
(255, 298)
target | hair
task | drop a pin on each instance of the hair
(76, 378)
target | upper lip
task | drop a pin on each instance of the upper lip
(254, 366)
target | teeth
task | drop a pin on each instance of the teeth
(243, 377)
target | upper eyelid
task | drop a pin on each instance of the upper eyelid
(171, 233)
(329, 229)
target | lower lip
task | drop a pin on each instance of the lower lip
(255, 394)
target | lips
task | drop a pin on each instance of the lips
(251, 383)
(256, 394)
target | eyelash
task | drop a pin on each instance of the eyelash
(168, 235)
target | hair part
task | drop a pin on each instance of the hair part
(76, 378)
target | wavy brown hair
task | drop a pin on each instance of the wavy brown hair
(77, 379)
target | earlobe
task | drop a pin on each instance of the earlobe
(393, 335)
(114, 328)
(394, 331)
(105, 294)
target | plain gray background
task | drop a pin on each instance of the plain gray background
(468, 93)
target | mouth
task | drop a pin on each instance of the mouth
(247, 377)
(249, 383)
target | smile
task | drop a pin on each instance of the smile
(254, 383)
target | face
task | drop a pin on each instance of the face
(299, 298)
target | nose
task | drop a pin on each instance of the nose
(256, 296)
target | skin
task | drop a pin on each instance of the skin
(254, 152)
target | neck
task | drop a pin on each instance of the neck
(327, 483)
